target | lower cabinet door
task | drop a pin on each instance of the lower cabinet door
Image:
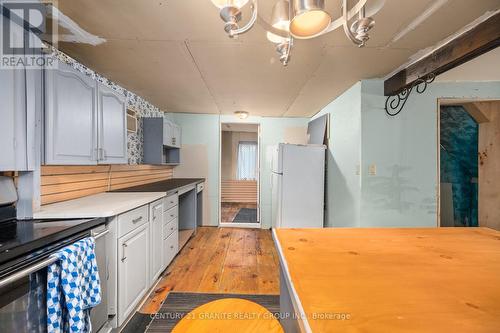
(170, 247)
(133, 270)
(156, 231)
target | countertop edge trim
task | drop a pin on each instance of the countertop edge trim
(295, 296)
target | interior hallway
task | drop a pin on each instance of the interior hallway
(221, 260)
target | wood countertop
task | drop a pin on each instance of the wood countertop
(394, 280)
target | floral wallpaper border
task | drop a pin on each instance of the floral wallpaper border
(142, 107)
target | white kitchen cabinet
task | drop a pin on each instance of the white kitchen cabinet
(70, 117)
(85, 122)
(18, 113)
(171, 134)
(156, 237)
(13, 119)
(177, 136)
(133, 270)
(168, 132)
(112, 133)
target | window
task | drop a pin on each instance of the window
(247, 160)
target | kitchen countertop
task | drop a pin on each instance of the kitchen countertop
(393, 280)
(99, 205)
(165, 186)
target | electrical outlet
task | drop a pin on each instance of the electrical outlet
(372, 170)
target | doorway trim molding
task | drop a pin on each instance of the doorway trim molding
(443, 101)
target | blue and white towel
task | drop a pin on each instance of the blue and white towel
(73, 288)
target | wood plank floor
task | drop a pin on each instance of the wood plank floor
(221, 260)
(229, 210)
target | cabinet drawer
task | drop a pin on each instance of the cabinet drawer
(170, 227)
(171, 214)
(130, 220)
(170, 247)
(171, 201)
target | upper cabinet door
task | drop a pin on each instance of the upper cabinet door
(70, 117)
(168, 133)
(15, 124)
(13, 120)
(177, 136)
(112, 127)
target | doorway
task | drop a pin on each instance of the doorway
(468, 158)
(239, 175)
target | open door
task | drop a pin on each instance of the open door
(469, 155)
(239, 199)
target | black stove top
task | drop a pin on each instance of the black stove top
(19, 238)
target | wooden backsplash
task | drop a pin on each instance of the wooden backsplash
(60, 183)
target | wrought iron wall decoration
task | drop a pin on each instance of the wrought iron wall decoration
(394, 104)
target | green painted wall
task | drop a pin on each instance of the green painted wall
(403, 193)
(403, 149)
(343, 189)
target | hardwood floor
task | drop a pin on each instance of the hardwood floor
(229, 210)
(221, 260)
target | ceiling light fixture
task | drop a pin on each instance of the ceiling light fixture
(241, 114)
(309, 18)
(301, 19)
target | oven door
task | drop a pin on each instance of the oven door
(23, 303)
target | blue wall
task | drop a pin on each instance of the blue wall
(459, 166)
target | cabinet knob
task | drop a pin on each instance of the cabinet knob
(172, 247)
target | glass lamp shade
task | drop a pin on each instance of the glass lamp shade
(309, 18)
(233, 3)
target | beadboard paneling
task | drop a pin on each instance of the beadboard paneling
(61, 183)
(239, 191)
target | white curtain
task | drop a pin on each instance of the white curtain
(247, 160)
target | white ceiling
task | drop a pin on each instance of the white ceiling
(483, 68)
(176, 54)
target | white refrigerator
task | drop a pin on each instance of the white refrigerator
(298, 186)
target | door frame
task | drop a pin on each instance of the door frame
(443, 101)
(257, 225)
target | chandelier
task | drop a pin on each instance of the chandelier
(298, 19)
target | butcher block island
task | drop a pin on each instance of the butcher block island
(390, 280)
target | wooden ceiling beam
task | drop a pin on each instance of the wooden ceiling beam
(482, 38)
